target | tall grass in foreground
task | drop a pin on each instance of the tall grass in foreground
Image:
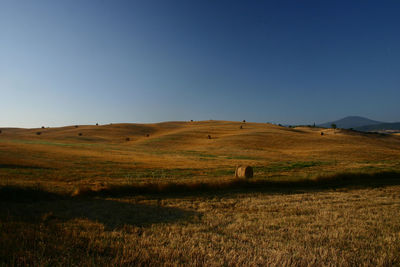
(246, 223)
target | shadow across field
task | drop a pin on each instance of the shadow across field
(35, 205)
(337, 181)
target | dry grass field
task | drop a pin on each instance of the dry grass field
(165, 194)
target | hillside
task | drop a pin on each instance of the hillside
(182, 150)
(379, 127)
(350, 122)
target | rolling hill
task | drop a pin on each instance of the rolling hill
(182, 150)
(351, 122)
(379, 127)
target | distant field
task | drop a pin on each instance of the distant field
(60, 158)
(153, 194)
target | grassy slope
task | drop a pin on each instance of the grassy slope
(180, 151)
(346, 220)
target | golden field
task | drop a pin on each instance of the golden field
(86, 195)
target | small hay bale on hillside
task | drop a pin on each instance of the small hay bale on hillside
(322, 133)
(127, 139)
(80, 134)
(244, 172)
(241, 127)
(0, 131)
(209, 136)
(38, 133)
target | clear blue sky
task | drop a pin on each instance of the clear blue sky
(292, 62)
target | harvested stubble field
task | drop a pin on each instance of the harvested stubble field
(168, 196)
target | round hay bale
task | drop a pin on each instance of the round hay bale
(322, 133)
(209, 136)
(127, 139)
(80, 134)
(244, 172)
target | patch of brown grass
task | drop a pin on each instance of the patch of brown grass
(345, 227)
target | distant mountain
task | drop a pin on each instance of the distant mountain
(351, 122)
(379, 127)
